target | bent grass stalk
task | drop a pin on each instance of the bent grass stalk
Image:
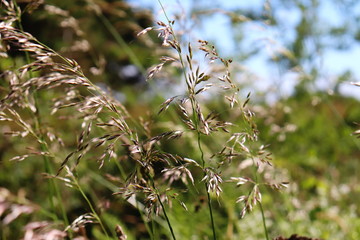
(95, 91)
(37, 133)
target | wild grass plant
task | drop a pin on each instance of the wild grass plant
(187, 169)
(148, 176)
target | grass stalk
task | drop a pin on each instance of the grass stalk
(162, 207)
(211, 213)
(52, 186)
(104, 182)
(196, 120)
(206, 187)
(198, 125)
(264, 221)
(133, 58)
(166, 216)
(261, 207)
(92, 209)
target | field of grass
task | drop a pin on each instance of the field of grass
(178, 151)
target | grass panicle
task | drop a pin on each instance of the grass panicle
(147, 174)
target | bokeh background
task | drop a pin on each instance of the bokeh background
(298, 58)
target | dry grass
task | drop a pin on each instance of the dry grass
(148, 175)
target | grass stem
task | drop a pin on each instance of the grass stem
(264, 222)
(206, 187)
(163, 208)
(166, 217)
(196, 120)
(97, 217)
(53, 188)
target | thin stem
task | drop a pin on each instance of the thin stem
(53, 188)
(261, 208)
(264, 222)
(163, 207)
(206, 186)
(166, 217)
(196, 120)
(211, 213)
(96, 90)
(104, 182)
(200, 147)
(143, 217)
(91, 207)
(18, 13)
(175, 38)
(134, 59)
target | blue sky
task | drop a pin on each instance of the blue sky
(217, 29)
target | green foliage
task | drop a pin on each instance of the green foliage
(78, 160)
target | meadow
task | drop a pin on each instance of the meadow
(117, 125)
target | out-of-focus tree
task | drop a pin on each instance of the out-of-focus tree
(293, 36)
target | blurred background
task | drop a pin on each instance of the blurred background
(298, 58)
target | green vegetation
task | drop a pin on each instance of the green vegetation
(90, 150)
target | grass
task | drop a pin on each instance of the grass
(188, 168)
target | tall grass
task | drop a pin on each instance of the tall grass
(148, 166)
